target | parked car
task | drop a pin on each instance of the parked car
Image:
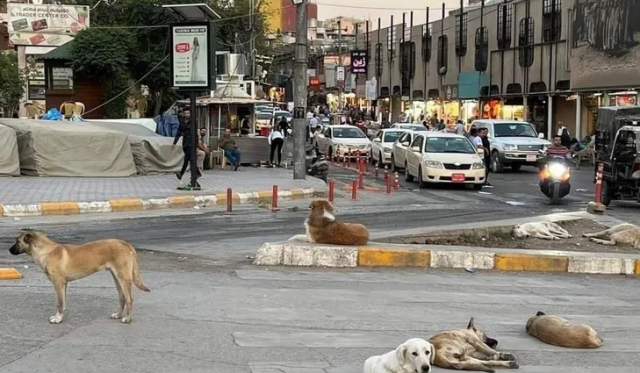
(409, 126)
(283, 113)
(264, 118)
(341, 140)
(399, 150)
(382, 145)
(438, 157)
(513, 143)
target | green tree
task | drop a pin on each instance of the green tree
(12, 83)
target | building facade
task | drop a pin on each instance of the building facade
(281, 15)
(550, 62)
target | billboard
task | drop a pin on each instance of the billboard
(605, 51)
(359, 62)
(190, 55)
(45, 25)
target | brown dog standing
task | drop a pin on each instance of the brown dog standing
(322, 227)
(63, 263)
(557, 331)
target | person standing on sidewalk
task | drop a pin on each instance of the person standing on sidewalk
(276, 140)
(184, 131)
(486, 144)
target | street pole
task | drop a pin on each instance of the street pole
(194, 142)
(252, 51)
(300, 93)
(340, 62)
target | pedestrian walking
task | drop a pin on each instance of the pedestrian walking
(184, 131)
(276, 140)
(486, 145)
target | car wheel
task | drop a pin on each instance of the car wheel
(516, 167)
(605, 194)
(394, 168)
(477, 186)
(421, 183)
(407, 176)
(330, 153)
(380, 158)
(496, 165)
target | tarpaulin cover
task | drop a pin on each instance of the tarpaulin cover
(9, 158)
(58, 148)
(152, 153)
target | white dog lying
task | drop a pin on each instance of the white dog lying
(545, 230)
(413, 356)
(625, 234)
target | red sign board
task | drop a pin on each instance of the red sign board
(314, 81)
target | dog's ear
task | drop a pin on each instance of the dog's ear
(28, 237)
(471, 324)
(432, 358)
(401, 353)
(540, 313)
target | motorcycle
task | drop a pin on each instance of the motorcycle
(317, 164)
(555, 178)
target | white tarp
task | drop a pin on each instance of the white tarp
(56, 148)
(9, 158)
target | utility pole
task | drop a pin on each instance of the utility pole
(300, 93)
(252, 46)
(340, 63)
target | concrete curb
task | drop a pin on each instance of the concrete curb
(10, 274)
(139, 204)
(293, 253)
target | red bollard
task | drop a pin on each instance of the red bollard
(229, 200)
(332, 187)
(354, 189)
(344, 161)
(361, 180)
(359, 165)
(388, 182)
(598, 196)
(386, 176)
(396, 182)
(348, 158)
(375, 170)
(274, 199)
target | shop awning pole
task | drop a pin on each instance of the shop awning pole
(219, 120)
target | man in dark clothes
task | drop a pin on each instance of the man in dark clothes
(184, 131)
(484, 136)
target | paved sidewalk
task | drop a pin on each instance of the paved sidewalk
(27, 196)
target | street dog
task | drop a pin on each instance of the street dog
(469, 349)
(322, 227)
(63, 263)
(545, 230)
(557, 331)
(621, 234)
(413, 356)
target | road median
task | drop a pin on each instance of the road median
(377, 254)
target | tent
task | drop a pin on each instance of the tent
(9, 159)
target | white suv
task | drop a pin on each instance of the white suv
(513, 143)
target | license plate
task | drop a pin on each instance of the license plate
(457, 178)
(531, 158)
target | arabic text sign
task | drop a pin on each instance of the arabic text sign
(45, 25)
(359, 62)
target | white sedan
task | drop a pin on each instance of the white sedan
(400, 148)
(382, 145)
(436, 157)
(342, 140)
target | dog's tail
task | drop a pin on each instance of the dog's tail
(136, 274)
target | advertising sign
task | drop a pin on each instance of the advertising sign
(340, 73)
(359, 62)
(371, 89)
(190, 55)
(45, 25)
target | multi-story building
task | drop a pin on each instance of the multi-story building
(544, 61)
(281, 16)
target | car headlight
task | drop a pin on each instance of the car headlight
(556, 170)
(544, 148)
(477, 166)
(387, 150)
(510, 147)
(433, 164)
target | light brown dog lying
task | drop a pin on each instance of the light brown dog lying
(63, 263)
(322, 227)
(557, 331)
(621, 234)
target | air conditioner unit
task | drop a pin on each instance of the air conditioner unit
(250, 87)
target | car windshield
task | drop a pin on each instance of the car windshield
(392, 136)
(514, 129)
(264, 116)
(348, 133)
(283, 114)
(415, 127)
(449, 145)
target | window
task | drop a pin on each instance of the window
(378, 58)
(349, 133)
(426, 43)
(461, 35)
(405, 138)
(443, 54)
(482, 48)
(390, 38)
(392, 136)
(525, 42)
(407, 65)
(449, 145)
(418, 142)
(505, 15)
(551, 20)
(514, 129)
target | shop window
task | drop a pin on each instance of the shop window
(505, 16)
(443, 54)
(61, 78)
(378, 59)
(37, 91)
(551, 20)
(390, 40)
(525, 42)
(461, 35)
(482, 48)
(426, 43)
(407, 65)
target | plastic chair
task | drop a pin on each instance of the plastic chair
(67, 108)
(78, 109)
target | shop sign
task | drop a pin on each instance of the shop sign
(45, 24)
(371, 89)
(359, 62)
(340, 74)
(314, 81)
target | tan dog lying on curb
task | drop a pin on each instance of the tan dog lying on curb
(469, 349)
(63, 263)
(557, 331)
(322, 227)
(625, 234)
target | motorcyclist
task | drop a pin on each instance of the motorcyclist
(555, 150)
